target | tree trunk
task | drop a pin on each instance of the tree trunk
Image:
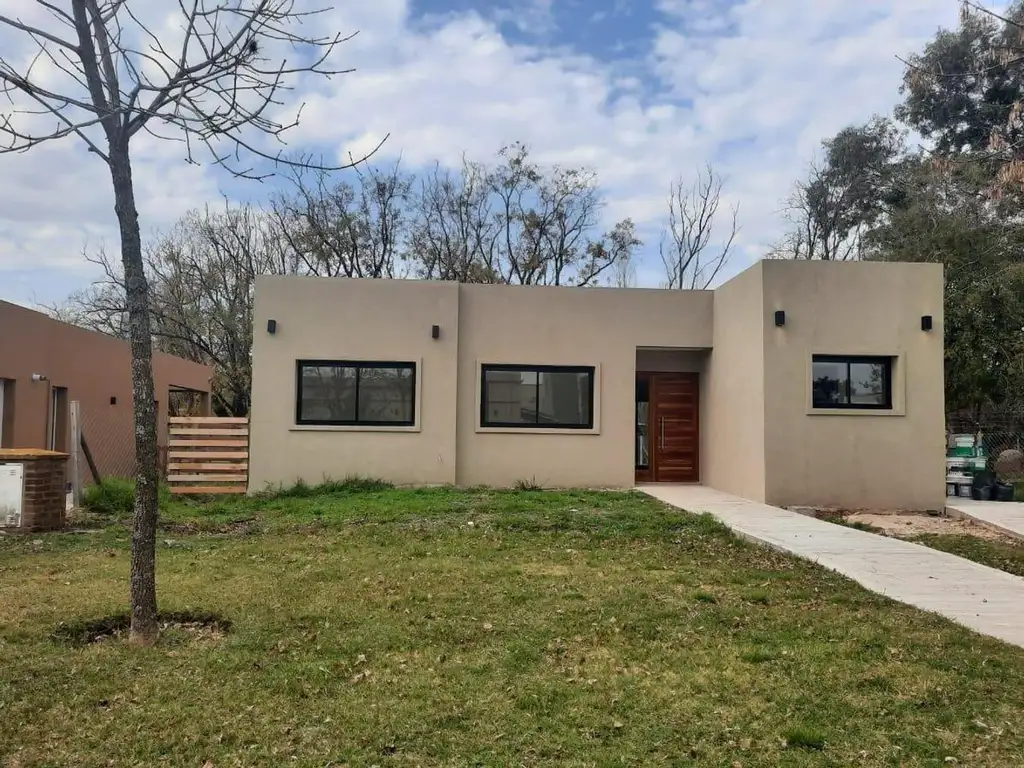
(143, 562)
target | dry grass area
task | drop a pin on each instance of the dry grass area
(481, 628)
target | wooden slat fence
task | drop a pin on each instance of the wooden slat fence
(208, 454)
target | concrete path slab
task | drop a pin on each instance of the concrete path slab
(984, 599)
(1006, 517)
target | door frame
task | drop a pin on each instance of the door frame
(650, 474)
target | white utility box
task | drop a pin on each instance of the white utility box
(12, 483)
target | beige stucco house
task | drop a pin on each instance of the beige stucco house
(794, 383)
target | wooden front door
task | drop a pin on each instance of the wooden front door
(670, 430)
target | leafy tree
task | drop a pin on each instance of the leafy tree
(846, 192)
(946, 220)
(963, 92)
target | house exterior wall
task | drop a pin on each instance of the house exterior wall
(759, 437)
(544, 325)
(732, 389)
(92, 368)
(854, 459)
(372, 320)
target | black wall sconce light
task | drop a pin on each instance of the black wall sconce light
(271, 326)
(926, 322)
(780, 318)
(113, 400)
(435, 331)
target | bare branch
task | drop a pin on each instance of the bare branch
(58, 12)
(28, 141)
(36, 32)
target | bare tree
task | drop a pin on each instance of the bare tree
(454, 235)
(624, 275)
(203, 274)
(515, 222)
(100, 307)
(690, 259)
(340, 230)
(821, 226)
(101, 72)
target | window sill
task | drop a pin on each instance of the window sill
(537, 431)
(349, 428)
(856, 412)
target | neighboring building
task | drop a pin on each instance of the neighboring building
(839, 402)
(46, 364)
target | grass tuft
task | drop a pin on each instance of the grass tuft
(759, 656)
(528, 485)
(805, 737)
(302, 490)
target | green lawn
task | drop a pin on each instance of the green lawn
(481, 628)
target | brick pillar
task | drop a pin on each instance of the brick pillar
(44, 500)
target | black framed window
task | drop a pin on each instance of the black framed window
(355, 393)
(537, 396)
(854, 382)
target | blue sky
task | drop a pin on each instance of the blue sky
(643, 92)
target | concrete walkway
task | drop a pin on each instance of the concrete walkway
(986, 600)
(1006, 517)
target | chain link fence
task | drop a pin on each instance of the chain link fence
(1001, 439)
(107, 435)
(107, 442)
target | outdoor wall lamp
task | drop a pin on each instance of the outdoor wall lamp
(271, 326)
(926, 322)
(780, 318)
(435, 331)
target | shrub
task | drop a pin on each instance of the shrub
(112, 496)
(115, 497)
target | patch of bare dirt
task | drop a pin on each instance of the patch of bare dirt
(233, 528)
(905, 525)
(195, 626)
(902, 524)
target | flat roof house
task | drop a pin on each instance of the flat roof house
(46, 364)
(795, 382)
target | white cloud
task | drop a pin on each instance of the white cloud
(751, 86)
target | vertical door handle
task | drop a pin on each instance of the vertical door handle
(661, 428)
